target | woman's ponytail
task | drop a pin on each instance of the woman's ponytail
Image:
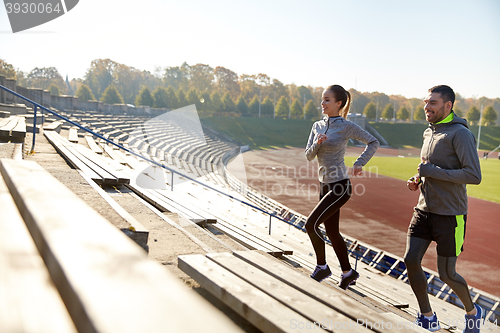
(345, 110)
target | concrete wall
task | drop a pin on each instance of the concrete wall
(358, 119)
(69, 103)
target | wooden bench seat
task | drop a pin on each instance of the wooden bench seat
(53, 126)
(244, 233)
(262, 310)
(12, 128)
(250, 241)
(92, 145)
(158, 199)
(29, 302)
(73, 135)
(112, 153)
(84, 159)
(238, 278)
(105, 280)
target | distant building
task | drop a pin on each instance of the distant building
(70, 91)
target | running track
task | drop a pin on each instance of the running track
(379, 211)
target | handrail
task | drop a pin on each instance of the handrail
(35, 104)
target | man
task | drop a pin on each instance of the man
(449, 162)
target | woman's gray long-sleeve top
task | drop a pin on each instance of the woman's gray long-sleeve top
(331, 152)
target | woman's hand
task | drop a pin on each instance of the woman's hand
(357, 170)
(321, 138)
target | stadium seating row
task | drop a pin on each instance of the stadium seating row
(56, 278)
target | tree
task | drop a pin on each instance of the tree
(130, 81)
(317, 92)
(359, 102)
(160, 95)
(311, 110)
(192, 98)
(297, 110)
(177, 77)
(181, 98)
(84, 94)
(280, 90)
(303, 92)
(242, 106)
(473, 115)
(388, 112)
(253, 106)
(282, 108)
(43, 77)
(172, 101)
(263, 80)
(227, 80)
(403, 113)
(216, 101)
(54, 90)
(489, 116)
(206, 101)
(111, 96)
(263, 83)
(248, 86)
(7, 70)
(145, 98)
(419, 113)
(201, 77)
(370, 111)
(267, 107)
(228, 103)
(21, 78)
(100, 75)
(458, 112)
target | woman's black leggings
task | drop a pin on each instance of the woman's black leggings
(332, 197)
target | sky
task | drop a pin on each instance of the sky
(395, 47)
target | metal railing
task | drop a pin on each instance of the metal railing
(37, 105)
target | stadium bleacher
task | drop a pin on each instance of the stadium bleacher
(273, 293)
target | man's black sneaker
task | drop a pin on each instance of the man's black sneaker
(348, 280)
(321, 274)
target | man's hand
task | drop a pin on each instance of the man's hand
(357, 170)
(413, 183)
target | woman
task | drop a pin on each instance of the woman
(328, 141)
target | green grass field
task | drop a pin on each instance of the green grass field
(405, 134)
(404, 168)
(262, 133)
(265, 133)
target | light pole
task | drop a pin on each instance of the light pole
(479, 131)
(394, 113)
